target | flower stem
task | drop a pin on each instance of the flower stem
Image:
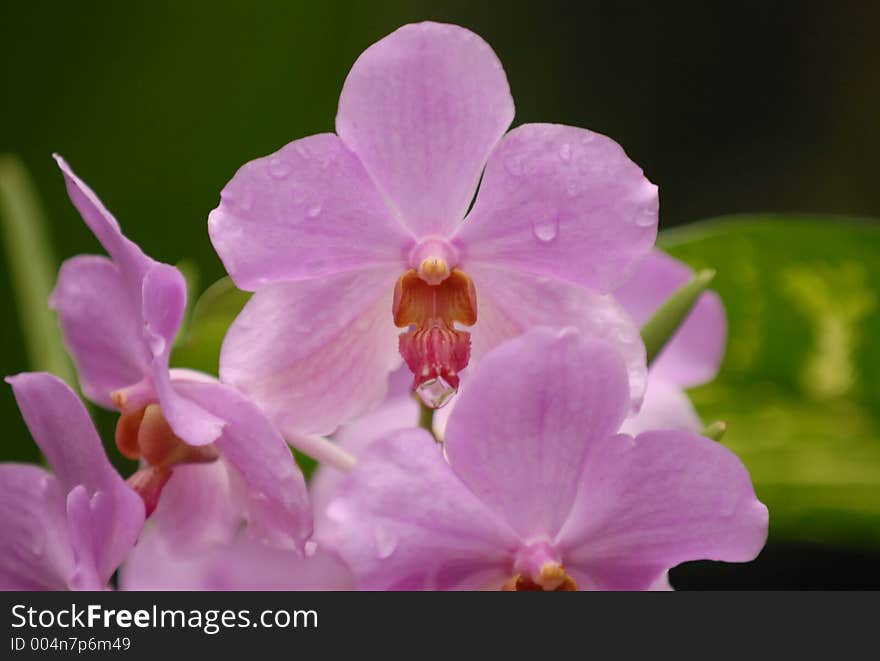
(322, 450)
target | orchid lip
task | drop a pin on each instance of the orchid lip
(433, 348)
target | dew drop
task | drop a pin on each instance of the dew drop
(38, 546)
(278, 168)
(545, 229)
(310, 547)
(565, 152)
(386, 543)
(337, 511)
(645, 219)
(435, 392)
(314, 211)
(572, 188)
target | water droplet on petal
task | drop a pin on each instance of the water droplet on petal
(310, 547)
(386, 543)
(545, 229)
(38, 545)
(314, 211)
(565, 152)
(337, 511)
(572, 188)
(435, 392)
(278, 168)
(646, 219)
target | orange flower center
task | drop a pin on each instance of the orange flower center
(551, 578)
(145, 434)
(429, 302)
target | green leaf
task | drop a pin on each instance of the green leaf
(212, 315)
(799, 388)
(663, 324)
(32, 269)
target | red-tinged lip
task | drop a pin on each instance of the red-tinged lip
(429, 302)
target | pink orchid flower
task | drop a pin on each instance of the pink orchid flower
(119, 317)
(352, 239)
(535, 489)
(71, 528)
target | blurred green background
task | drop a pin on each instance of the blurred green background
(729, 107)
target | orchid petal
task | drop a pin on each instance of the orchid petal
(314, 354)
(511, 303)
(245, 564)
(520, 433)
(665, 406)
(292, 216)
(197, 539)
(102, 326)
(401, 412)
(35, 551)
(61, 426)
(402, 520)
(561, 202)
(278, 501)
(422, 108)
(132, 262)
(663, 498)
(693, 354)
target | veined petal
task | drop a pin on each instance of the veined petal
(511, 303)
(163, 302)
(665, 406)
(532, 412)
(102, 326)
(650, 503)
(402, 520)
(60, 425)
(562, 202)
(422, 108)
(132, 262)
(35, 551)
(315, 354)
(693, 354)
(276, 495)
(308, 210)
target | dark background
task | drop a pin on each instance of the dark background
(729, 107)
